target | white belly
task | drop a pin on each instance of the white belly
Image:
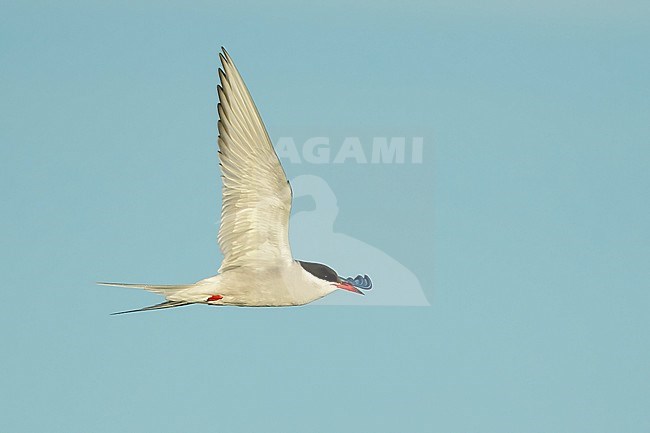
(271, 287)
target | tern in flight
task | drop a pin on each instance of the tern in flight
(258, 269)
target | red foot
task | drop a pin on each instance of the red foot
(215, 298)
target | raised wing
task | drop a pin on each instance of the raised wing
(256, 203)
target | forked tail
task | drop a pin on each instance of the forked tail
(161, 290)
(166, 304)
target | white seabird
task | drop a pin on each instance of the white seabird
(258, 269)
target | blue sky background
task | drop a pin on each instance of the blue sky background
(527, 223)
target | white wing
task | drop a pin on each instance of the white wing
(256, 203)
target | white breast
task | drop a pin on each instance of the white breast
(260, 287)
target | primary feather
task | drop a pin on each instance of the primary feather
(256, 194)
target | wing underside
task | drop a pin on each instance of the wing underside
(256, 204)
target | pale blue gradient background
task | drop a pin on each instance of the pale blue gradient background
(527, 224)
